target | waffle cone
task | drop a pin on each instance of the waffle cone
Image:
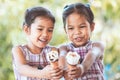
(66, 76)
(70, 66)
(54, 64)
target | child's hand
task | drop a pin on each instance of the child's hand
(47, 72)
(56, 74)
(74, 72)
(51, 73)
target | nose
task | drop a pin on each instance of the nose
(77, 31)
(45, 33)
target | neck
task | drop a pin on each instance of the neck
(34, 49)
(81, 45)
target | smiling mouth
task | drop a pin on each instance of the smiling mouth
(78, 39)
(43, 40)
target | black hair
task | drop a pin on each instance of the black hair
(34, 12)
(82, 9)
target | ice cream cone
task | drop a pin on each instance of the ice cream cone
(72, 59)
(70, 66)
(67, 77)
(54, 64)
(53, 58)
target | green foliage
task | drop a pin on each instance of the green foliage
(107, 17)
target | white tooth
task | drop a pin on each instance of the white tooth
(43, 40)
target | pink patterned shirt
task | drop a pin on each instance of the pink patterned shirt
(96, 70)
(32, 60)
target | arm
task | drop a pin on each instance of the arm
(62, 60)
(26, 70)
(101, 47)
(94, 54)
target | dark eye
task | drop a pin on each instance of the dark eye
(82, 26)
(40, 29)
(50, 30)
(70, 28)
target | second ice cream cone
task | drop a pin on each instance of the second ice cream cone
(70, 66)
(72, 59)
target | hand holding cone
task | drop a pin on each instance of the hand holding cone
(72, 59)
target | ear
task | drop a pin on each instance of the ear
(26, 29)
(92, 26)
(65, 29)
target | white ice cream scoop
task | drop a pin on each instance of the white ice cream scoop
(52, 56)
(72, 58)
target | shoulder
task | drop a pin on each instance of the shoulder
(18, 55)
(98, 44)
(63, 49)
(64, 46)
(17, 50)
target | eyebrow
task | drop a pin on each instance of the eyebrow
(78, 24)
(44, 26)
(82, 24)
(40, 26)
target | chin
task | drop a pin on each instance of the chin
(41, 46)
(80, 44)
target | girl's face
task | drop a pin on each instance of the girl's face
(78, 29)
(40, 32)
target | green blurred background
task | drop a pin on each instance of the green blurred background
(107, 19)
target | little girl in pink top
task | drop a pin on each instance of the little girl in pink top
(29, 60)
(78, 24)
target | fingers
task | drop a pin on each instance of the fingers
(56, 73)
(74, 72)
(55, 70)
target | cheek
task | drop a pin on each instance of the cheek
(88, 33)
(69, 35)
(36, 34)
(50, 35)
